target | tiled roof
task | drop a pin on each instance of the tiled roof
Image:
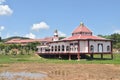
(81, 28)
(84, 37)
(47, 39)
(20, 40)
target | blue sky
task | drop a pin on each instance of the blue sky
(39, 18)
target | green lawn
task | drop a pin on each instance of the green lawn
(34, 58)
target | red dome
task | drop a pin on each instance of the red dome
(81, 28)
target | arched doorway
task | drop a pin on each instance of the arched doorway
(100, 48)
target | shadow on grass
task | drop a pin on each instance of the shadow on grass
(99, 59)
(74, 57)
(55, 57)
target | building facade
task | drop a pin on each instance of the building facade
(81, 42)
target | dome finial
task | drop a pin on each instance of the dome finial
(81, 24)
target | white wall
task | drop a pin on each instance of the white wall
(83, 46)
(105, 44)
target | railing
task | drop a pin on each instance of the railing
(72, 52)
(57, 52)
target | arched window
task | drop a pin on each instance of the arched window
(62, 47)
(108, 48)
(67, 48)
(52, 48)
(59, 48)
(55, 48)
(91, 48)
(100, 47)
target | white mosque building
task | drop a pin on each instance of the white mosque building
(81, 42)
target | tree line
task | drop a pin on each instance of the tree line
(17, 48)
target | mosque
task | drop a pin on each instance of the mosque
(81, 42)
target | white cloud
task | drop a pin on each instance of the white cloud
(117, 31)
(2, 28)
(41, 25)
(61, 34)
(30, 35)
(5, 10)
(2, 1)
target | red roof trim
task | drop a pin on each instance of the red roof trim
(79, 37)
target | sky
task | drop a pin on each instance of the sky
(40, 18)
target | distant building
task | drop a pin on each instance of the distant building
(26, 41)
(81, 42)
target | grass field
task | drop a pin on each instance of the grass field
(61, 69)
(35, 58)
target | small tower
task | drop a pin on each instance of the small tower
(55, 38)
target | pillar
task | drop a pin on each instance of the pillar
(101, 55)
(69, 56)
(91, 55)
(78, 54)
(59, 56)
(88, 47)
(111, 51)
(111, 55)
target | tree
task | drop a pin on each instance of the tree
(33, 45)
(0, 39)
(7, 48)
(116, 38)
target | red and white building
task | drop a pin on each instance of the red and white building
(81, 42)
